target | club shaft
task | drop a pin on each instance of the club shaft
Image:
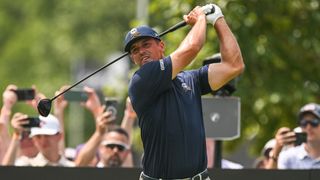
(171, 29)
(95, 72)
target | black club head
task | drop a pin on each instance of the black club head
(44, 107)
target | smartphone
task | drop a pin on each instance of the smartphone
(76, 95)
(301, 137)
(112, 105)
(25, 94)
(33, 122)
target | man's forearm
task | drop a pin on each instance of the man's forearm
(229, 48)
(11, 153)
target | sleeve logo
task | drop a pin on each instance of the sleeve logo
(162, 65)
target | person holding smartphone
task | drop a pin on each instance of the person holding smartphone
(306, 155)
(11, 96)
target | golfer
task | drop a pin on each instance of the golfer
(167, 99)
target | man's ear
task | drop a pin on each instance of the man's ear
(162, 45)
(132, 59)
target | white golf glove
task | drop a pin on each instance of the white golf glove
(213, 12)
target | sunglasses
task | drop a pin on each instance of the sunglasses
(120, 147)
(314, 123)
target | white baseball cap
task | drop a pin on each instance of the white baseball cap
(48, 126)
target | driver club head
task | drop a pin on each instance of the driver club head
(44, 107)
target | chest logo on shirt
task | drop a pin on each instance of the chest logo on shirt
(162, 65)
(185, 87)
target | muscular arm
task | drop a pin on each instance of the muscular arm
(192, 43)
(232, 63)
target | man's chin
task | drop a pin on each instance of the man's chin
(114, 163)
(146, 61)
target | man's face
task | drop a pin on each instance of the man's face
(114, 154)
(27, 146)
(146, 50)
(46, 143)
(310, 124)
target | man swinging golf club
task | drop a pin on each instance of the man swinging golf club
(167, 100)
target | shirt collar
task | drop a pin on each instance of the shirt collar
(302, 154)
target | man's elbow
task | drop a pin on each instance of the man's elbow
(238, 66)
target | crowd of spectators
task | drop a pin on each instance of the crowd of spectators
(26, 143)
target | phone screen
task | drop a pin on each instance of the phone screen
(76, 95)
(301, 137)
(25, 94)
(112, 106)
(33, 122)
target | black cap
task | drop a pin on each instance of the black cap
(137, 33)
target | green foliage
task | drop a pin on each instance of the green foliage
(279, 40)
(281, 48)
(39, 39)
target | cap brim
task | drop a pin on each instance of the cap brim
(306, 112)
(132, 41)
(40, 131)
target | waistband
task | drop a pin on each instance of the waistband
(204, 175)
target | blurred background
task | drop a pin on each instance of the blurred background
(52, 43)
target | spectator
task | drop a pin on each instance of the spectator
(284, 139)
(306, 155)
(25, 144)
(113, 146)
(46, 139)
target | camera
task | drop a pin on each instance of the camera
(301, 137)
(76, 95)
(112, 105)
(25, 94)
(33, 122)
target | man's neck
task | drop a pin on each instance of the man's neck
(52, 157)
(313, 149)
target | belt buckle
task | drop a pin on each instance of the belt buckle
(196, 177)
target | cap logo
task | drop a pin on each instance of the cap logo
(134, 33)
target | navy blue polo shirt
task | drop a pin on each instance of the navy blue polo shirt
(170, 118)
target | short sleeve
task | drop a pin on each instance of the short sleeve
(149, 82)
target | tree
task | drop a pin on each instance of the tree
(281, 49)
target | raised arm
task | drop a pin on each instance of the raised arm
(231, 59)
(192, 43)
(9, 99)
(89, 150)
(59, 106)
(17, 121)
(129, 118)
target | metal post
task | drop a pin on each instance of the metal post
(217, 154)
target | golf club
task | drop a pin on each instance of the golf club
(44, 105)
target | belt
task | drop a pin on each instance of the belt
(204, 175)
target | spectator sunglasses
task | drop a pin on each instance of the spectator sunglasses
(120, 147)
(314, 123)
